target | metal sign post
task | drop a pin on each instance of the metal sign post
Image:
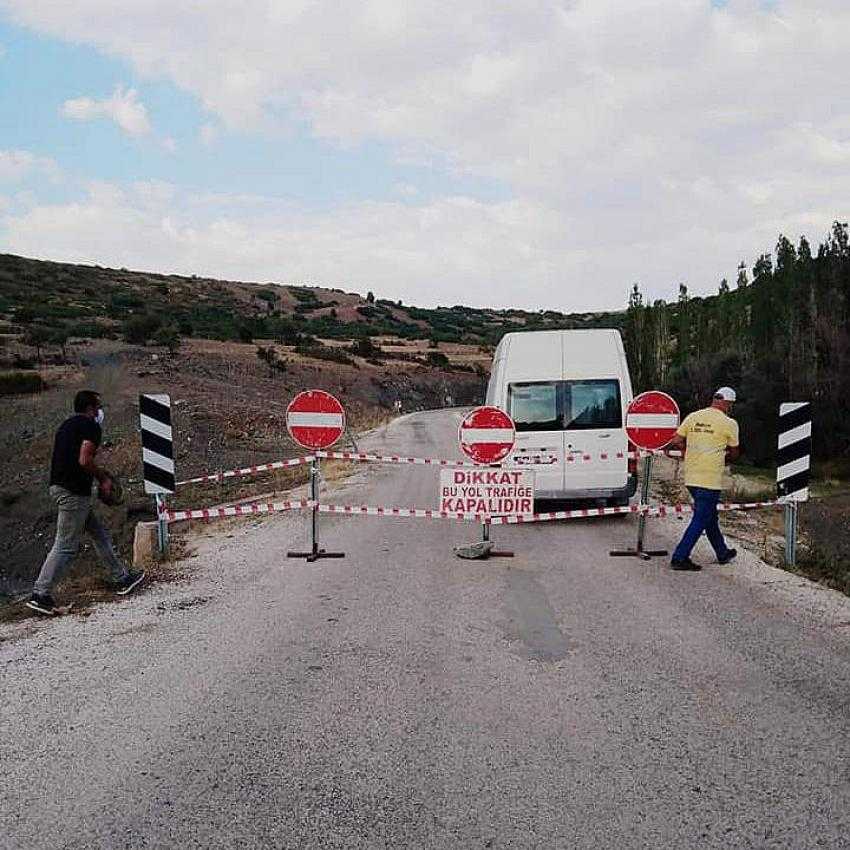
(651, 422)
(161, 525)
(639, 551)
(791, 518)
(793, 462)
(315, 552)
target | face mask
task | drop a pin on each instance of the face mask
(99, 417)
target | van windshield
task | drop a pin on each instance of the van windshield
(565, 405)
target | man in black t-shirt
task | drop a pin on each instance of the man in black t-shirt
(72, 474)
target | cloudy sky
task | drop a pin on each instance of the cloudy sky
(542, 154)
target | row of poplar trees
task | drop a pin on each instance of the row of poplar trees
(781, 333)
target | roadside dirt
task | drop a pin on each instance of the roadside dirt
(229, 410)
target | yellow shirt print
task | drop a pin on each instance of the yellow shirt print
(708, 432)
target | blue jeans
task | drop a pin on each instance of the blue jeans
(75, 517)
(705, 519)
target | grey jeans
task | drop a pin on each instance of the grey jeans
(75, 517)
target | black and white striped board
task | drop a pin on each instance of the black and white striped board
(157, 443)
(795, 449)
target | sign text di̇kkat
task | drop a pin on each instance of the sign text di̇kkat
(500, 492)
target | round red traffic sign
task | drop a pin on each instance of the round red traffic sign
(487, 435)
(315, 419)
(651, 420)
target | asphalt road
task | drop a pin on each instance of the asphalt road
(404, 698)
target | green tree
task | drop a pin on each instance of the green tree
(37, 336)
(269, 356)
(59, 337)
(137, 330)
(168, 336)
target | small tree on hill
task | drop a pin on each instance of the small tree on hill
(59, 336)
(437, 358)
(169, 337)
(364, 348)
(138, 330)
(270, 358)
(37, 337)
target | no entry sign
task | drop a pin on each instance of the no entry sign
(651, 420)
(487, 435)
(315, 419)
(498, 492)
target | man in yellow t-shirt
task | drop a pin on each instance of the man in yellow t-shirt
(710, 438)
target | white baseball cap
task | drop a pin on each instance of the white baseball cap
(726, 393)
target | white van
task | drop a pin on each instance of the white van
(567, 392)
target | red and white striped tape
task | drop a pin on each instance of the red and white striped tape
(578, 513)
(237, 510)
(427, 513)
(424, 461)
(367, 510)
(249, 470)
(517, 460)
(648, 510)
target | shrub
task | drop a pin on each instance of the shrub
(168, 336)
(18, 383)
(37, 337)
(323, 352)
(365, 348)
(437, 358)
(139, 329)
(270, 357)
(90, 330)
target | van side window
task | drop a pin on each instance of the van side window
(592, 404)
(534, 406)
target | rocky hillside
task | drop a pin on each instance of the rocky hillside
(90, 301)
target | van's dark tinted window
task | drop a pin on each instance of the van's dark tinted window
(535, 407)
(565, 405)
(592, 404)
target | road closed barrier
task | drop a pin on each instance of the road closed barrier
(480, 490)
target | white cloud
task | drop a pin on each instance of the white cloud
(124, 108)
(667, 138)
(208, 134)
(19, 165)
(447, 251)
(405, 190)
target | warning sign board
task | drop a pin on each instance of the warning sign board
(315, 419)
(498, 492)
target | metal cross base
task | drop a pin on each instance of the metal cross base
(483, 549)
(638, 553)
(315, 555)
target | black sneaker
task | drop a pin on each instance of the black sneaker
(43, 603)
(685, 564)
(129, 583)
(729, 556)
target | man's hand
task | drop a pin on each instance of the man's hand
(105, 487)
